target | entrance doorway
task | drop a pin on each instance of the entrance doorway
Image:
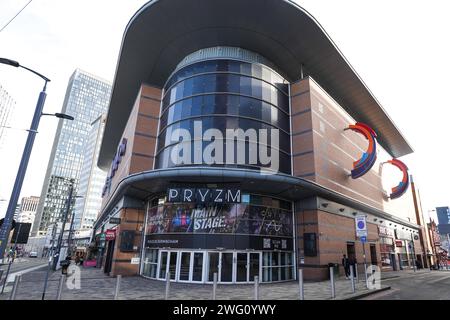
(230, 266)
(351, 255)
(109, 256)
(234, 267)
(373, 254)
(169, 260)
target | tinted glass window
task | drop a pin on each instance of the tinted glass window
(224, 94)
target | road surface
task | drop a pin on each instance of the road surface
(432, 285)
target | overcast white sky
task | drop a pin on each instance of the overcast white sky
(399, 48)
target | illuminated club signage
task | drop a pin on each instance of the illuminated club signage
(401, 188)
(203, 195)
(115, 165)
(368, 158)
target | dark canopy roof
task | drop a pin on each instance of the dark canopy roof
(144, 185)
(163, 32)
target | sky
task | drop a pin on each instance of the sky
(399, 48)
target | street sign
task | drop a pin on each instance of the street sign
(110, 234)
(21, 233)
(114, 220)
(361, 226)
(363, 239)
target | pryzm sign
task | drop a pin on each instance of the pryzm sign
(203, 195)
(250, 147)
(114, 166)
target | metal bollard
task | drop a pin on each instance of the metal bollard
(116, 293)
(333, 289)
(352, 278)
(16, 285)
(357, 273)
(60, 288)
(214, 286)
(256, 288)
(300, 284)
(166, 297)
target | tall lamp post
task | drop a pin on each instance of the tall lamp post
(70, 237)
(6, 227)
(63, 227)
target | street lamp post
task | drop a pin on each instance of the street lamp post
(50, 259)
(69, 240)
(61, 233)
(6, 227)
(413, 252)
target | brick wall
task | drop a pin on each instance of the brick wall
(323, 152)
(131, 219)
(141, 133)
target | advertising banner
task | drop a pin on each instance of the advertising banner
(228, 225)
(219, 219)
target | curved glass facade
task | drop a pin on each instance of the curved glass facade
(220, 93)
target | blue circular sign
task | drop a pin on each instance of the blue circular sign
(360, 224)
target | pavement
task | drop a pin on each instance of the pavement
(95, 285)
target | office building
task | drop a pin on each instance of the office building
(27, 210)
(92, 179)
(87, 98)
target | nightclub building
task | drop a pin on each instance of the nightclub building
(240, 141)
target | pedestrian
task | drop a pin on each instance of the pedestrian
(346, 265)
(65, 264)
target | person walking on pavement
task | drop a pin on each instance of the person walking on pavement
(65, 264)
(346, 265)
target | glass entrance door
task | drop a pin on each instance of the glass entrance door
(168, 264)
(185, 266)
(254, 265)
(213, 265)
(200, 266)
(226, 267)
(197, 267)
(173, 264)
(241, 267)
(163, 265)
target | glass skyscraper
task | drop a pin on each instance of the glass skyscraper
(92, 180)
(87, 98)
